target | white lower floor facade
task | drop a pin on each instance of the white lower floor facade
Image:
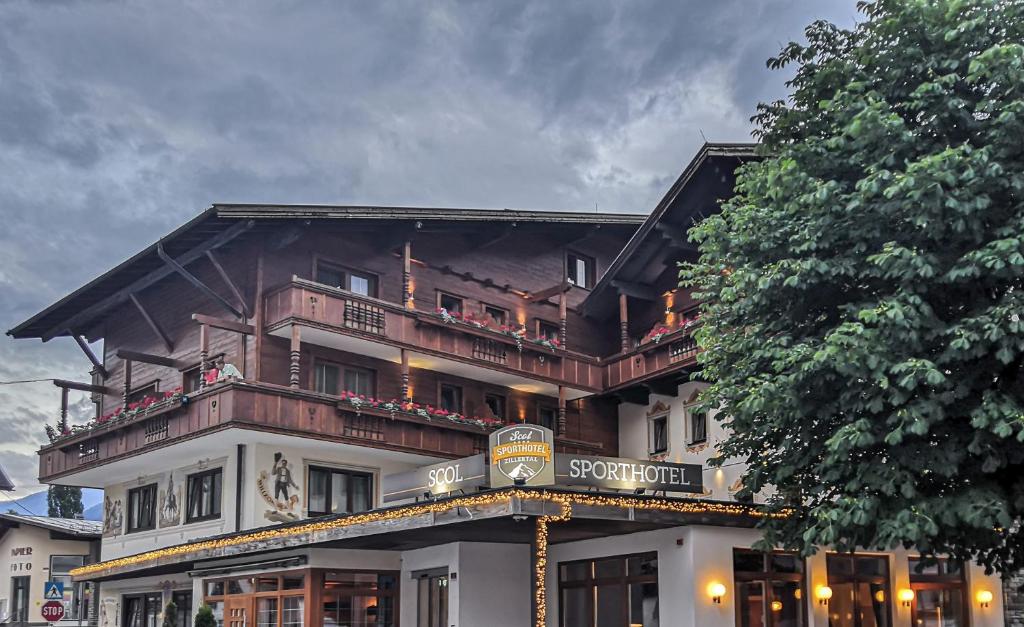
(686, 576)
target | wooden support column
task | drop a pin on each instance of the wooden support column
(624, 321)
(204, 353)
(63, 410)
(561, 410)
(407, 275)
(405, 374)
(293, 368)
(257, 322)
(563, 329)
(127, 382)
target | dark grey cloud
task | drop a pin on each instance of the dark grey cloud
(119, 120)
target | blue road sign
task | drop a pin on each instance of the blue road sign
(53, 591)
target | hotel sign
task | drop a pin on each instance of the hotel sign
(468, 473)
(618, 473)
(523, 453)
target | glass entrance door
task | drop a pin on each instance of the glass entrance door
(19, 599)
(432, 599)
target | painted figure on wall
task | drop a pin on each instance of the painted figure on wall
(113, 517)
(170, 500)
(284, 503)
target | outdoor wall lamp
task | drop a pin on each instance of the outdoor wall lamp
(823, 594)
(716, 591)
(906, 596)
(984, 597)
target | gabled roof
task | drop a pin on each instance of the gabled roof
(679, 199)
(221, 223)
(86, 529)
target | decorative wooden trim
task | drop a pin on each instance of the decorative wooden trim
(658, 409)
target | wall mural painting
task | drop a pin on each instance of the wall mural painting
(113, 517)
(276, 488)
(170, 503)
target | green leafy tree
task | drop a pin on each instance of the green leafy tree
(204, 617)
(62, 501)
(864, 287)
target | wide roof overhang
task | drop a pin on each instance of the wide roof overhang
(504, 515)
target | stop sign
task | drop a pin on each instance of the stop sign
(53, 611)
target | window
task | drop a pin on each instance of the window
(326, 377)
(496, 404)
(497, 315)
(204, 491)
(360, 598)
(190, 380)
(451, 398)
(452, 304)
(547, 417)
(142, 508)
(940, 593)
(330, 378)
(141, 610)
(579, 270)
(142, 392)
(183, 607)
(334, 491)
(352, 280)
(609, 592)
(769, 589)
(657, 434)
(60, 570)
(548, 330)
(19, 599)
(267, 600)
(432, 599)
(860, 590)
(697, 424)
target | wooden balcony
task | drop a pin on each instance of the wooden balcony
(268, 408)
(651, 360)
(378, 328)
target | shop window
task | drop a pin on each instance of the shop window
(495, 316)
(204, 495)
(142, 610)
(860, 590)
(547, 330)
(60, 570)
(431, 599)
(769, 589)
(269, 600)
(657, 434)
(182, 600)
(360, 598)
(579, 270)
(335, 491)
(452, 304)
(450, 398)
(496, 404)
(940, 593)
(547, 417)
(354, 281)
(142, 508)
(616, 591)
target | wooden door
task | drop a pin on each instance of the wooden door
(238, 612)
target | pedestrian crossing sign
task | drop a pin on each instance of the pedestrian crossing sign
(53, 591)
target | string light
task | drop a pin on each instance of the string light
(564, 501)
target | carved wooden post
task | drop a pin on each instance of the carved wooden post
(407, 274)
(561, 410)
(293, 368)
(63, 410)
(127, 382)
(624, 322)
(204, 354)
(405, 374)
(563, 328)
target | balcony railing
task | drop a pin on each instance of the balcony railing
(338, 311)
(651, 359)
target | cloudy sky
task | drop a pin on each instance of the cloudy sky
(120, 120)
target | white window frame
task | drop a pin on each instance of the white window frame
(650, 434)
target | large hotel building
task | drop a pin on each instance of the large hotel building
(344, 416)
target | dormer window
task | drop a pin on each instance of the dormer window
(579, 270)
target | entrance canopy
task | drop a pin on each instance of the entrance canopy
(515, 515)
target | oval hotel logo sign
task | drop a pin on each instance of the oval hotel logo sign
(523, 453)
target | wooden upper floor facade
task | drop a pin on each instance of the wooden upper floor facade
(398, 328)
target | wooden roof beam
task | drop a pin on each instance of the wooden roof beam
(676, 237)
(548, 292)
(227, 325)
(78, 320)
(237, 293)
(194, 280)
(85, 387)
(96, 363)
(500, 236)
(153, 325)
(156, 360)
(636, 290)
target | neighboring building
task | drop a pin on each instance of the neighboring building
(366, 343)
(37, 549)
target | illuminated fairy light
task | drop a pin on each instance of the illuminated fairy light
(564, 501)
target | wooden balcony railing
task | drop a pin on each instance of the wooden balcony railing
(272, 408)
(651, 359)
(311, 304)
